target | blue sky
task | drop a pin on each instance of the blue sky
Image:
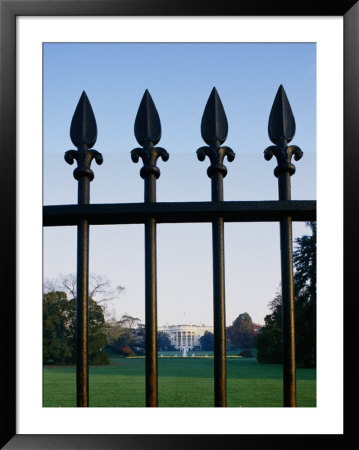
(180, 78)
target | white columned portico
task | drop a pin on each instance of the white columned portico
(185, 336)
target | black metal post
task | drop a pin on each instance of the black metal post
(151, 299)
(219, 312)
(214, 129)
(148, 134)
(288, 324)
(82, 383)
(83, 134)
(281, 130)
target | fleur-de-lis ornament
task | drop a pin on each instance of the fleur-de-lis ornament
(281, 130)
(214, 130)
(148, 134)
(83, 133)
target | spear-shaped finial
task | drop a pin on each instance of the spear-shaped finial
(281, 130)
(281, 124)
(83, 133)
(214, 130)
(148, 134)
(214, 124)
(83, 128)
(147, 123)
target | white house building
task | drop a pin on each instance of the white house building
(185, 337)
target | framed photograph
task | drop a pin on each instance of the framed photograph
(46, 50)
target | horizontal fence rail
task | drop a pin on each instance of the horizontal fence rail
(179, 212)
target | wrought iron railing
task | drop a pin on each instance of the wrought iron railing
(214, 129)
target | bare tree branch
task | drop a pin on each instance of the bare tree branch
(50, 285)
(100, 288)
(68, 283)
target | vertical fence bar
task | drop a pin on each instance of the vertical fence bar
(151, 313)
(214, 129)
(219, 311)
(219, 314)
(151, 296)
(289, 371)
(281, 130)
(82, 383)
(148, 134)
(83, 134)
(288, 319)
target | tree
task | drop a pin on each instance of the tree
(269, 339)
(305, 279)
(163, 341)
(56, 346)
(241, 333)
(100, 288)
(122, 333)
(59, 330)
(100, 294)
(207, 341)
(97, 336)
(140, 335)
(305, 262)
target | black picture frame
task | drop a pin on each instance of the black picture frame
(9, 10)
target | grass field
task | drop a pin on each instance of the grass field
(182, 382)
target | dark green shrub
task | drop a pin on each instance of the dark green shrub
(246, 354)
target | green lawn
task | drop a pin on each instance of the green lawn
(182, 382)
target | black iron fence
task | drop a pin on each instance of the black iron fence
(214, 129)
